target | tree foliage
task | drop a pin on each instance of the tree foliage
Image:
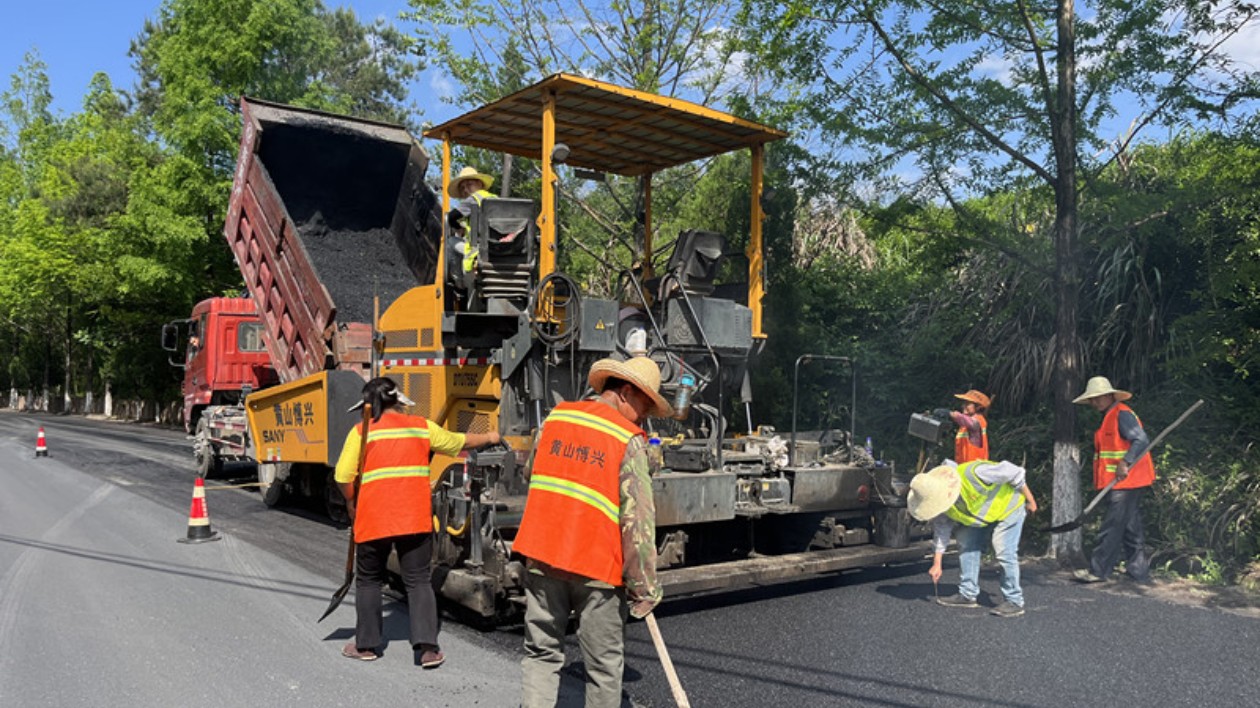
(950, 103)
(112, 215)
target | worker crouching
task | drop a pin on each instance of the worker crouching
(981, 499)
(589, 531)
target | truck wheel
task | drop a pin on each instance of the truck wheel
(208, 461)
(334, 501)
(272, 477)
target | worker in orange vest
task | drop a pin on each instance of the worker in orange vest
(971, 442)
(391, 510)
(589, 531)
(1120, 446)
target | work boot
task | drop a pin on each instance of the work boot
(957, 601)
(1007, 609)
(1085, 576)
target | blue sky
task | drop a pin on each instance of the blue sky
(77, 38)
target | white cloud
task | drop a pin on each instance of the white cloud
(998, 68)
(441, 85)
(1244, 47)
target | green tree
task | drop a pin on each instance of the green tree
(677, 49)
(95, 252)
(903, 87)
(198, 58)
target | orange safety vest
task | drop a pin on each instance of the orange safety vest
(572, 517)
(964, 451)
(394, 496)
(1109, 449)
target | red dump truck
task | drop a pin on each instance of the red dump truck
(223, 358)
(327, 215)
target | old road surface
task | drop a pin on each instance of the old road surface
(100, 607)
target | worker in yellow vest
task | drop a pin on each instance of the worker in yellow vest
(976, 500)
(469, 188)
(589, 531)
(391, 510)
(1120, 446)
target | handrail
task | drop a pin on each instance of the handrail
(796, 377)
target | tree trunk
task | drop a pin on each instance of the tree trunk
(1067, 364)
(65, 396)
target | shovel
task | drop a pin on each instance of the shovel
(1076, 523)
(345, 587)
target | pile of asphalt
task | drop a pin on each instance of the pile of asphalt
(356, 265)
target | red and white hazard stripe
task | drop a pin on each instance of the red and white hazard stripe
(456, 361)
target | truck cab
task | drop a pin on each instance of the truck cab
(223, 353)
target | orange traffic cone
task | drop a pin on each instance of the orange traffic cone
(198, 520)
(41, 444)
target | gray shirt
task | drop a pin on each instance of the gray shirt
(1131, 430)
(988, 472)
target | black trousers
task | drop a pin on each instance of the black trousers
(415, 555)
(1122, 533)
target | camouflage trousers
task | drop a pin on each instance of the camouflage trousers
(601, 613)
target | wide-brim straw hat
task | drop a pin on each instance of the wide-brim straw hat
(932, 492)
(1101, 386)
(468, 173)
(975, 397)
(640, 371)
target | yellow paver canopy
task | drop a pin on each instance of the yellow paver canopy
(608, 128)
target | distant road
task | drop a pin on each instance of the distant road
(100, 607)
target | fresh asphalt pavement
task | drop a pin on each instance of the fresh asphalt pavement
(100, 607)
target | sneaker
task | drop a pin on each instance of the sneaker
(957, 601)
(350, 651)
(431, 659)
(1085, 576)
(1007, 609)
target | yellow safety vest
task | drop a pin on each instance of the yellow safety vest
(979, 503)
(470, 251)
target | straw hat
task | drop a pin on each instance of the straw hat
(468, 173)
(1100, 386)
(640, 371)
(975, 397)
(934, 491)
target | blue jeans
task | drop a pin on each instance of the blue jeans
(971, 542)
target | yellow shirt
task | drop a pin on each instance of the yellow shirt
(440, 440)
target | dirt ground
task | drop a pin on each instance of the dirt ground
(1242, 598)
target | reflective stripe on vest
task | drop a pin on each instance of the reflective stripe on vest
(572, 517)
(980, 503)
(579, 492)
(964, 451)
(1110, 448)
(394, 494)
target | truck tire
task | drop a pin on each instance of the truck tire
(334, 500)
(208, 461)
(272, 479)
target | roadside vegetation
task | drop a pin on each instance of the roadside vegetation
(950, 211)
